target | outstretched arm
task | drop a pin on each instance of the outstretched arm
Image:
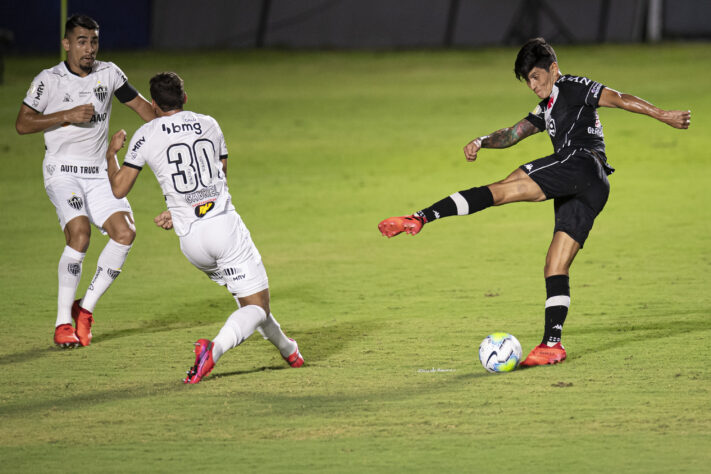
(673, 118)
(503, 138)
(120, 177)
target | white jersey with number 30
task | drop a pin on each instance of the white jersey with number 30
(184, 151)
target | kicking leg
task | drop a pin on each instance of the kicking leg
(561, 253)
(516, 187)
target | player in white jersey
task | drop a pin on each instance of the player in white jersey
(71, 104)
(188, 156)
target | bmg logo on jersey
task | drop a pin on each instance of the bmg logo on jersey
(182, 127)
(202, 209)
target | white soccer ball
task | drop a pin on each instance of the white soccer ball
(500, 352)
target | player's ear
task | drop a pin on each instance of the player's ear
(554, 68)
(185, 97)
(65, 44)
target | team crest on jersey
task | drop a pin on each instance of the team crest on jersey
(76, 202)
(101, 92)
(202, 209)
(50, 169)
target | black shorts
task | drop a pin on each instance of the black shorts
(577, 182)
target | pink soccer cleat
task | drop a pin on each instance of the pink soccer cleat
(203, 362)
(396, 225)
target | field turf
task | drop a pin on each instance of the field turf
(322, 147)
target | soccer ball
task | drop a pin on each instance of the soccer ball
(500, 352)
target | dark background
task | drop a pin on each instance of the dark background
(34, 26)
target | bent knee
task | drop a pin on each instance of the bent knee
(124, 236)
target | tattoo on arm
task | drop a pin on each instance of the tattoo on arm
(506, 137)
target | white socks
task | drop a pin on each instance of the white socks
(239, 326)
(271, 331)
(69, 273)
(108, 267)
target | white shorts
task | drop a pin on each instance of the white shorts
(93, 198)
(222, 248)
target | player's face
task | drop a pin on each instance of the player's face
(81, 46)
(541, 81)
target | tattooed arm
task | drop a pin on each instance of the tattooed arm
(503, 138)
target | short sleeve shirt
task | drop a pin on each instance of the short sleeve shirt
(184, 150)
(83, 145)
(569, 115)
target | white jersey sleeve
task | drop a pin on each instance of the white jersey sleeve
(37, 94)
(183, 150)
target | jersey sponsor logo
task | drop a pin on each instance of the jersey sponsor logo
(78, 169)
(595, 90)
(234, 273)
(202, 209)
(101, 92)
(595, 131)
(576, 79)
(138, 144)
(201, 195)
(550, 125)
(76, 202)
(182, 127)
(39, 91)
(96, 118)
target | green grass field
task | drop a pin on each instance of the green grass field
(322, 147)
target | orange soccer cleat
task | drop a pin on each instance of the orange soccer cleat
(295, 359)
(64, 336)
(203, 361)
(542, 354)
(396, 225)
(83, 320)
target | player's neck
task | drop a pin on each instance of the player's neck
(160, 113)
(76, 70)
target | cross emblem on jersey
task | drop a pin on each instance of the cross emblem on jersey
(101, 92)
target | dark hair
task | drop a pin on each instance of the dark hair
(168, 91)
(80, 21)
(535, 53)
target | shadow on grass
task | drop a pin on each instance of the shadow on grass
(147, 328)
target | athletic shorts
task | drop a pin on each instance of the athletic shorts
(73, 197)
(578, 184)
(222, 248)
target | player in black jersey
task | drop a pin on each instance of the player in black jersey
(574, 176)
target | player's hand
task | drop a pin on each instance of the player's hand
(677, 118)
(164, 220)
(117, 142)
(472, 148)
(79, 114)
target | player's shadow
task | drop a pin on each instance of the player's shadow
(92, 397)
(316, 344)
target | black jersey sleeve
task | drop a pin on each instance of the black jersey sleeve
(537, 119)
(126, 93)
(581, 90)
